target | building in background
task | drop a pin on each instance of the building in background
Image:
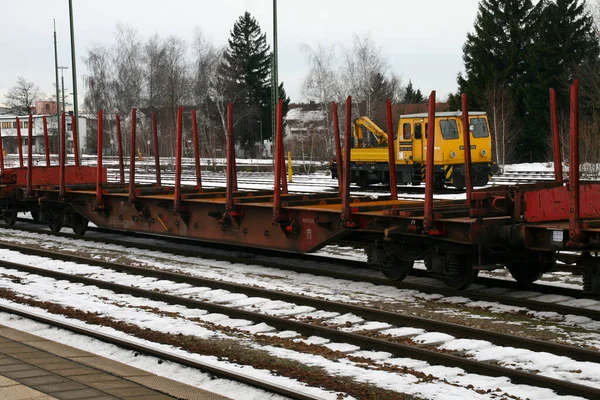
(8, 126)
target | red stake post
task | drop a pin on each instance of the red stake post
(19, 142)
(99, 200)
(30, 157)
(132, 196)
(75, 140)
(1, 152)
(346, 216)
(338, 147)
(155, 146)
(62, 155)
(558, 175)
(46, 141)
(177, 195)
(230, 160)
(574, 223)
(429, 164)
(120, 150)
(196, 149)
(467, 146)
(284, 185)
(391, 151)
(278, 162)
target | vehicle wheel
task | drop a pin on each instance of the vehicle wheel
(363, 180)
(55, 223)
(36, 216)
(10, 217)
(79, 224)
(525, 273)
(460, 273)
(394, 268)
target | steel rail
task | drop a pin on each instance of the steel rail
(188, 362)
(243, 259)
(365, 342)
(368, 313)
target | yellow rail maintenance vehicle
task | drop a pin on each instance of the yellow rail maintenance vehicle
(369, 154)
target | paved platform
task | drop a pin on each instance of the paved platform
(34, 368)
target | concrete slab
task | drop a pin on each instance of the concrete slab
(111, 366)
(20, 392)
(176, 389)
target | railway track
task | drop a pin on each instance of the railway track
(366, 340)
(224, 373)
(357, 274)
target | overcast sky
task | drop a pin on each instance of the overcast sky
(421, 40)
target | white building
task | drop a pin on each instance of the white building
(8, 126)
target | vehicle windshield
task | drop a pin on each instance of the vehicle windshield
(449, 129)
(479, 128)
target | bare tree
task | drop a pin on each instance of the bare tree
(503, 120)
(128, 67)
(321, 85)
(155, 68)
(22, 97)
(363, 62)
(206, 60)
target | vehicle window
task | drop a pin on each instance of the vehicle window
(418, 131)
(406, 131)
(449, 129)
(479, 128)
(426, 129)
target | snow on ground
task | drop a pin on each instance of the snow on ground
(118, 307)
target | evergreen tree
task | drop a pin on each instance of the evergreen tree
(496, 53)
(246, 73)
(411, 96)
(564, 39)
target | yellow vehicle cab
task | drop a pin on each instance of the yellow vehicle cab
(369, 155)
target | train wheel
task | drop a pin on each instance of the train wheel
(10, 217)
(79, 224)
(394, 268)
(36, 216)
(363, 180)
(460, 273)
(55, 223)
(526, 273)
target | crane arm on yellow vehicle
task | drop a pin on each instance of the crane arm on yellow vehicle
(366, 123)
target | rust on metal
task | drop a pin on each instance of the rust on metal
(177, 195)
(63, 154)
(132, 195)
(338, 146)
(196, 149)
(155, 147)
(99, 202)
(428, 221)
(75, 140)
(30, 157)
(19, 142)
(574, 205)
(47, 148)
(391, 151)
(558, 174)
(467, 143)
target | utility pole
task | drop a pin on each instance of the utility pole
(74, 62)
(274, 72)
(62, 79)
(57, 90)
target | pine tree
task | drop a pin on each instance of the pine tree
(496, 53)
(564, 39)
(246, 73)
(411, 96)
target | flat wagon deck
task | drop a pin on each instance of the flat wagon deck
(520, 227)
